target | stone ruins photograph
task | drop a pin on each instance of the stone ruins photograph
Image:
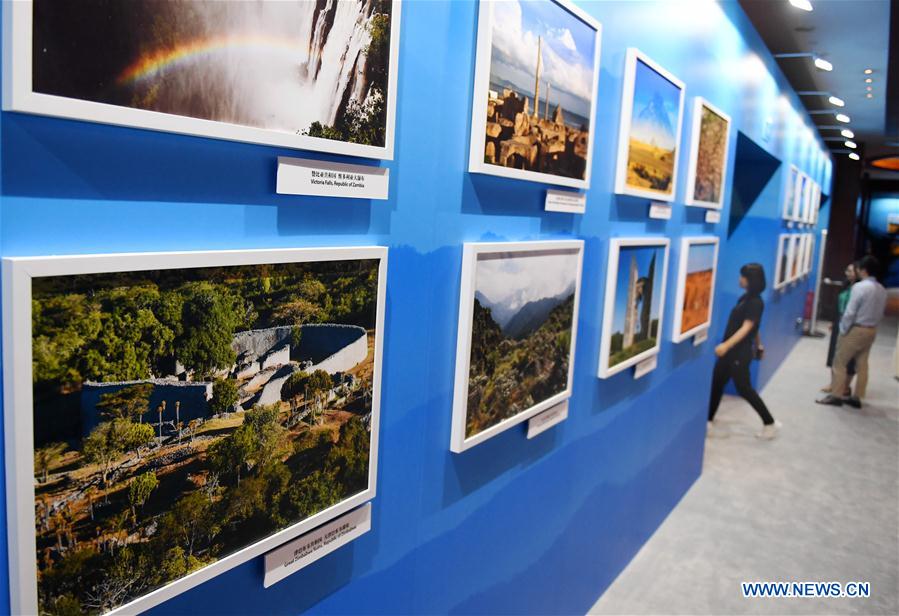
(540, 94)
(181, 415)
(638, 301)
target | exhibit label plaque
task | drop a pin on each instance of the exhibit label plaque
(646, 366)
(321, 178)
(700, 337)
(659, 210)
(547, 419)
(712, 217)
(565, 201)
(308, 548)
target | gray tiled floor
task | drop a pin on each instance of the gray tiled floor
(821, 503)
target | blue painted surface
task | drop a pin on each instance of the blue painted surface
(511, 526)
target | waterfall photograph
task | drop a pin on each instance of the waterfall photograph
(180, 416)
(316, 70)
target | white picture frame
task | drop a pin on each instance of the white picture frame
(809, 253)
(605, 370)
(782, 263)
(793, 273)
(472, 251)
(793, 184)
(799, 196)
(18, 273)
(807, 202)
(622, 187)
(679, 334)
(695, 138)
(19, 95)
(480, 102)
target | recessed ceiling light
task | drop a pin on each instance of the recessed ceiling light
(842, 117)
(869, 80)
(823, 64)
(869, 95)
(853, 156)
(847, 133)
(805, 5)
(850, 144)
(836, 102)
(868, 71)
(868, 88)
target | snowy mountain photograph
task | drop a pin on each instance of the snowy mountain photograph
(522, 332)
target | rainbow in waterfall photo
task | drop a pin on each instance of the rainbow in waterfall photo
(291, 66)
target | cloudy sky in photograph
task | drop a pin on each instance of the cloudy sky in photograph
(567, 50)
(514, 279)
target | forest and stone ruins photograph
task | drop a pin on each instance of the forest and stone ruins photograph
(181, 415)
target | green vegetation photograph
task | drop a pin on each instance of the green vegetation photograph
(182, 415)
(521, 333)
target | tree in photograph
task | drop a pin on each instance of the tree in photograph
(160, 410)
(103, 446)
(135, 436)
(47, 457)
(139, 491)
(269, 435)
(130, 402)
(62, 326)
(211, 315)
(231, 453)
(111, 439)
(224, 396)
(348, 459)
(319, 385)
(313, 493)
(294, 388)
(188, 522)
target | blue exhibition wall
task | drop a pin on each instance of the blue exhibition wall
(511, 526)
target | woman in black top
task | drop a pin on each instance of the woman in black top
(736, 352)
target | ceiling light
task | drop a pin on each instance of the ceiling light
(823, 64)
(847, 133)
(842, 117)
(869, 80)
(805, 5)
(868, 88)
(868, 71)
(837, 102)
(850, 144)
(853, 156)
(869, 95)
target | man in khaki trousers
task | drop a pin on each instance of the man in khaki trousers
(858, 328)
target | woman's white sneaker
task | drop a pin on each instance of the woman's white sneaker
(713, 430)
(770, 431)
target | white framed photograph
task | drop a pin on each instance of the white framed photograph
(172, 415)
(695, 295)
(652, 109)
(795, 259)
(518, 314)
(807, 198)
(799, 196)
(535, 89)
(709, 143)
(810, 253)
(288, 73)
(793, 184)
(782, 264)
(634, 302)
